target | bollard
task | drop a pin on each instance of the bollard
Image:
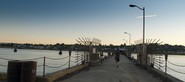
(14, 71)
(29, 70)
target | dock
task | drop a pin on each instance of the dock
(88, 68)
(108, 72)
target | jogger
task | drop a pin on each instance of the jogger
(117, 57)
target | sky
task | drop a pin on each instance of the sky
(64, 21)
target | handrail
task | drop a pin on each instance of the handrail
(57, 58)
(33, 59)
(176, 71)
(156, 57)
(158, 62)
(161, 62)
(39, 65)
(176, 64)
(5, 58)
(78, 59)
(23, 59)
(3, 65)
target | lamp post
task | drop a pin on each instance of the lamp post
(125, 44)
(143, 26)
(129, 37)
(129, 42)
(125, 40)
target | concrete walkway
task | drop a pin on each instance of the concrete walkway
(108, 72)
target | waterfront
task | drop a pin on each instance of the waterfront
(175, 59)
(25, 54)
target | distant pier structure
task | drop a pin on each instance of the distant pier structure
(92, 49)
(144, 49)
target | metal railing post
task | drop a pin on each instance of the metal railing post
(84, 57)
(165, 66)
(81, 58)
(77, 58)
(44, 68)
(90, 52)
(159, 61)
(69, 58)
(166, 57)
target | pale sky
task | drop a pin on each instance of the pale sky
(63, 21)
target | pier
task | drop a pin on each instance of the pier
(87, 66)
(108, 72)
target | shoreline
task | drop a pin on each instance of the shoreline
(82, 50)
(38, 49)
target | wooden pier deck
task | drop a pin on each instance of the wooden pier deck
(108, 72)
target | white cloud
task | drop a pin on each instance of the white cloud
(147, 16)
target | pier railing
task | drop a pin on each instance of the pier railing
(158, 61)
(80, 58)
(161, 63)
(176, 66)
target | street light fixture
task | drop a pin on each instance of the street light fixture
(132, 5)
(137, 7)
(143, 26)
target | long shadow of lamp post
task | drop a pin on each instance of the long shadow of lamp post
(143, 26)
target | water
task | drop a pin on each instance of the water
(24, 54)
(179, 60)
(175, 59)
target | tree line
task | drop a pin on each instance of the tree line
(61, 46)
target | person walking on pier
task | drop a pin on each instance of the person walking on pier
(117, 57)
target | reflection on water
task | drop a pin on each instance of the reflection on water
(23, 54)
(175, 59)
